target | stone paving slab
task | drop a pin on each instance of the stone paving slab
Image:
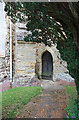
(49, 84)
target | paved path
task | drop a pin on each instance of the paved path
(49, 104)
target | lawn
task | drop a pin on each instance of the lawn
(71, 90)
(71, 109)
(14, 99)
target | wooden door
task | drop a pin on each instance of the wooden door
(47, 65)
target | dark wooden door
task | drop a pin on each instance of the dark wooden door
(47, 65)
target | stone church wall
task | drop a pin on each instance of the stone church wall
(5, 61)
(25, 62)
(29, 63)
(7, 48)
(2, 69)
(2, 43)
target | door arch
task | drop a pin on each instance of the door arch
(47, 66)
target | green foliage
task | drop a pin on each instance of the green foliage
(14, 99)
(69, 53)
(71, 90)
(39, 22)
(72, 111)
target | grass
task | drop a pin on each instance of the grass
(71, 90)
(14, 99)
(72, 106)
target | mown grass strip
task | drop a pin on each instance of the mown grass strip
(71, 90)
(14, 99)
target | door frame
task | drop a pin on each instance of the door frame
(50, 56)
(41, 63)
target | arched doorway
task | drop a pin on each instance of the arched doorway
(47, 66)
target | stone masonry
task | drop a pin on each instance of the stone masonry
(25, 62)
(5, 61)
(28, 63)
(59, 66)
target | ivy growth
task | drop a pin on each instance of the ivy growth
(70, 54)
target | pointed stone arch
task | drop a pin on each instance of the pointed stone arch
(47, 65)
(42, 50)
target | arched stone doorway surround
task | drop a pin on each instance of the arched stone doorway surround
(41, 49)
(59, 66)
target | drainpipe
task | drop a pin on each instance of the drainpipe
(10, 50)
